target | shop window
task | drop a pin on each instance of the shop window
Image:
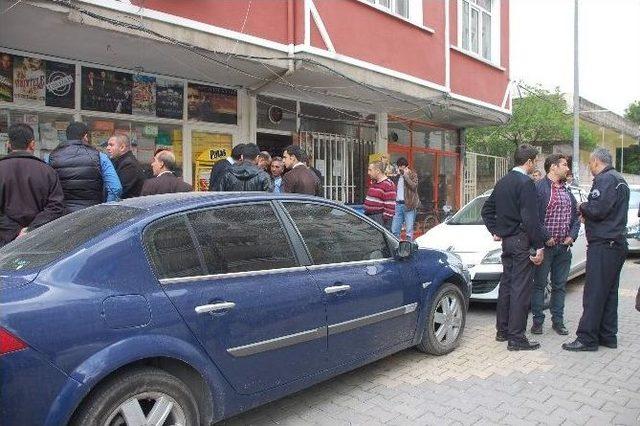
(49, 129)
(206, 149)
(145, 138)
(399, 133)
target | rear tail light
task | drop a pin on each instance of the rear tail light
(10, 343)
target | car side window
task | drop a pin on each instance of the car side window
(171, 249)
(241, 238)
(334, 235)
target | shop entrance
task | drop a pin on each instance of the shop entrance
(273, 143)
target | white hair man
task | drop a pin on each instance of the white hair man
(165, 181)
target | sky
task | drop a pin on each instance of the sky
(541, 47)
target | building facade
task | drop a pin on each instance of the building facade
(343, 78)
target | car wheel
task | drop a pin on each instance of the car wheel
(445, 321)
(140, 397)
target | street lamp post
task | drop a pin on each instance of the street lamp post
(576, 101)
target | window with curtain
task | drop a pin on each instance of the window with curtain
(476, 27)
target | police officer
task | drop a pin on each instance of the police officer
(605, 218)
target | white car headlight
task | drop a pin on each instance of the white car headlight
(493, 257)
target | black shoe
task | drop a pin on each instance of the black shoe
(610, 345)
(522, 345)
(578, 346)
(501, 336)
(536, 329)
(560, 329)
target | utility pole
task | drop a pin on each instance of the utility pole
(576, 100)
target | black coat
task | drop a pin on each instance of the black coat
(246, 176)
(130, 173)
(166, 183)
(217, 173)
(30, 194)
(605, 212)
(78, 167)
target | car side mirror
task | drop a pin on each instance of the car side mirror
(406, 248)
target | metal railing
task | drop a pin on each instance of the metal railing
(481, 172)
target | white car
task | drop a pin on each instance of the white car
(465, 234)
(633, 226)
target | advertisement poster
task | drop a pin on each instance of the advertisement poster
(6, 77)
(106, 91)
(212, 104)
(144, 95)
(60, 87)
(169, 99)
(29, 80)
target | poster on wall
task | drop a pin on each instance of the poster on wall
(6, 77)
(106, 91)
(144, 95)
(212, 104)
(29, 78)
(169, 98)
(60, 86)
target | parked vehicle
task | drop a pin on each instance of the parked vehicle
(633, 222)
(466, 235)
(191, 308)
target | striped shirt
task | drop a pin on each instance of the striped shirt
(381, 198)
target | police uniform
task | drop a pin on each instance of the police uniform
(605, 218)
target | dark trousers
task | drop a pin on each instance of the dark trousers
(557, 262)
(516, 284)
(599, 322)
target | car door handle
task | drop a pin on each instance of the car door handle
(337, 289)
(215, 307)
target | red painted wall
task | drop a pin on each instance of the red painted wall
(266, 18)
(475, 79)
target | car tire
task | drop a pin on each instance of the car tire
(122, 399)
(433, 340)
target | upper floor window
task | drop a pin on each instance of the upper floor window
(399, 7)
(476, 21)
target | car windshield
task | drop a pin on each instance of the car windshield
(47, 243)
(634, 199)
(469, 214)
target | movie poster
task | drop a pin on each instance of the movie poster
(144, 95)
(169, 99)
(6, 77)
(212, 104)
(106, 91)
(60, 86)
(29, 80)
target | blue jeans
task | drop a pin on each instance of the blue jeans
(557, 261)
(403, 216)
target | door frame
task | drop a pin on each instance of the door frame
(191, 126)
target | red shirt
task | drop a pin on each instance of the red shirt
(381, 198)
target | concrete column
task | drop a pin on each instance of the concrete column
(247, 122)
(382, 141)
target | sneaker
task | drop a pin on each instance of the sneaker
(536, 329)
(560, 329)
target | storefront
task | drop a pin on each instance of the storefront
(47, 93)
(434, 153)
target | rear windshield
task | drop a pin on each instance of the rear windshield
(49, 242)
(470, 214)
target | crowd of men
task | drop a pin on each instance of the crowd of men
(77, 175)
(537, 224)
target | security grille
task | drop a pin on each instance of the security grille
(343, 161)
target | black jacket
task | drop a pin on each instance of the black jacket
(30, 194)
(130, 173)
(246, 176)
(166, 183)
(78, 167)
(607, 207)
(217, 173)
(512, 208)
(543, 187)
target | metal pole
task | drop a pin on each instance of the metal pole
(622, 155)
(576, 101)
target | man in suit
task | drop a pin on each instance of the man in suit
(511, 215)
(165, 181)
(299, 179)
(220, 168)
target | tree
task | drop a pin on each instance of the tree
(633, 112)
(540, 119)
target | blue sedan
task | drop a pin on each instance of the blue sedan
(186, 309)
